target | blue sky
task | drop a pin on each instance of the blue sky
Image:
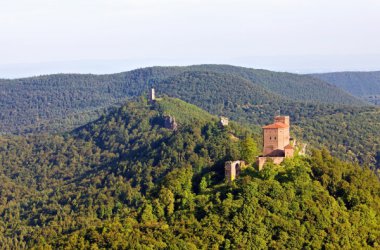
(105, 36)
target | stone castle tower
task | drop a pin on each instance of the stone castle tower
(276, 136)
(276, 141)
(277, 145)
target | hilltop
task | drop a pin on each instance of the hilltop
(291, 86)
(126, 181)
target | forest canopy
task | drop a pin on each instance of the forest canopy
(125, 181)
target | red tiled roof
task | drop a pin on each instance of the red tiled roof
(276, 125)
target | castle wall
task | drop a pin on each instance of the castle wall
(276, 160)
(283, 137)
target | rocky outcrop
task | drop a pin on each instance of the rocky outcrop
(170, 123)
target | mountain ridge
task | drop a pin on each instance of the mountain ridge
(365, 85)
(71, 101)
(25, 102)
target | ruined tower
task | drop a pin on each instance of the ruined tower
(152, 95)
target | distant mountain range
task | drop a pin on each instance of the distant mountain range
(365, 85)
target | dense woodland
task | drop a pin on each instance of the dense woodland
(126, 182)
(365, 85)
(349, 132)
(63, 102)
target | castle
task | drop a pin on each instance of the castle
(277, 144)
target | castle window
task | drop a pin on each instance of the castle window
(270, 138)
(275, 137)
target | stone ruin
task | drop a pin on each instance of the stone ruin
(223, 121)
(232, 169)
(170, 123)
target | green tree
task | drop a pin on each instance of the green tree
(248, 149)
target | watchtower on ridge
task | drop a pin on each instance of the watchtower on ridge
(152, 95)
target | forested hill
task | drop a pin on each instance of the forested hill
(64, 101)
(365, 85)
(125, 181)
(292, 86)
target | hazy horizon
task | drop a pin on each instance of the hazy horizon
(111, 67)
(99, 36)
